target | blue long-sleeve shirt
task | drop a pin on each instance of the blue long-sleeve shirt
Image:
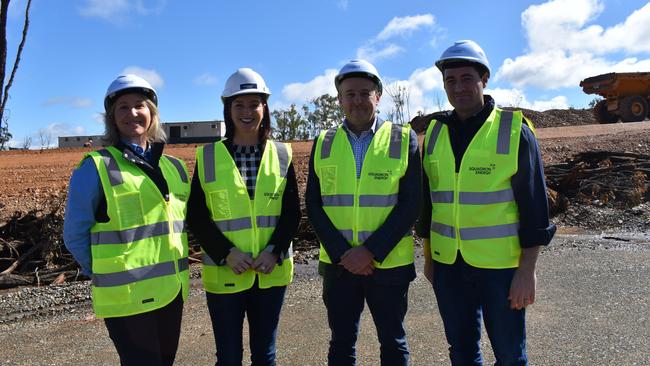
(528, 183)
(84, 194)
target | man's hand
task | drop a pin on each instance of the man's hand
(358, 260)
(238, 261)
(522, 289)
(265, 262)
(524, 282)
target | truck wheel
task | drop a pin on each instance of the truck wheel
(634, 108)
(602, 115)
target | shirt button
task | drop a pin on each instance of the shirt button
(167, 197)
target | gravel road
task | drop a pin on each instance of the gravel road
(592, 309)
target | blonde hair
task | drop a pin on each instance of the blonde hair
(155, 133)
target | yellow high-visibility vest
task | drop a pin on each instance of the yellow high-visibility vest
(358, 207)
(474, 211)
(248, 223)
(140, 256)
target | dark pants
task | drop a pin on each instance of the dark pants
(149, 338)
(262, 308)
(344, 297)
(465, 294)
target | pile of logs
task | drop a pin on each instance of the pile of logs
(31, 248)
(599, 177)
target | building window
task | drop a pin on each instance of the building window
(185, 127)
(78, 139)
(214, 126)
(66, 139)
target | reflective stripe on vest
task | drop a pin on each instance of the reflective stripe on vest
(394, 148)
(503, 141)
(135, 234)
(473, 208)
(115, 175)
(139, 274)
(365, 200)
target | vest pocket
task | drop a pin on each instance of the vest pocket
(434, 173)
(328, 179)
(220, 204)
(129, 209)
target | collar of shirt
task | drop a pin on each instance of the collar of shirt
(251, 149)
(139, 151)
(370, 131)
(474, 123)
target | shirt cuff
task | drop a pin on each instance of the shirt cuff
(533, 237)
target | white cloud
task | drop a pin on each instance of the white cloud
(303, 92)
(117, 11)
(516, 98)
(376, 48)
(371, 54)
(105, 9)
(149, 75)
(564, 49)
(558, 69)
(206, 79)
(405, 26)
(424, 89)
(48, 136)
(98, 118)
(75, 102)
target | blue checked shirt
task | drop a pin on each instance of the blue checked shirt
(361, 143)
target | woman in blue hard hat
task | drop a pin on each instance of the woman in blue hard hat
(244, 210)
(124, 224)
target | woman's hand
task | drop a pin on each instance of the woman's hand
(265, 262)
(238, 261)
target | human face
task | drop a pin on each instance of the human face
(247, 112)
(464, 87)
(359, 98)
(132, 118)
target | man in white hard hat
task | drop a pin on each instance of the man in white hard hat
(362, 199)
(485, 213)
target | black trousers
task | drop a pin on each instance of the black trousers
(150, 338)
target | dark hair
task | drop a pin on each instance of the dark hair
(480, 69)
(265, 127)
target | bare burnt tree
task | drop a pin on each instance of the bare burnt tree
(4, 88)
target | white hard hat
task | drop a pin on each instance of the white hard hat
(360, 68)
(466, 50)
(244, 81)
(129, 82)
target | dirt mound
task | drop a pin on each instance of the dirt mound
(549, 118)
(558, 117)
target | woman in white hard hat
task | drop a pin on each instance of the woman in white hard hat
(124, 224)
(244, 210)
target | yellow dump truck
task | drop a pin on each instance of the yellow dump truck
(627, 96)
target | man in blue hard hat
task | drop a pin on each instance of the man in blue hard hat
(362, 199)
(485, 213)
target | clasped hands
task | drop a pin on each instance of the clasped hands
(358, 260)
(240, 262)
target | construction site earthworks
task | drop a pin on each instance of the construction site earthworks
(597, 177)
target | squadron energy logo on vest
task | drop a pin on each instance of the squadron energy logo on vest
(381, 175)
(482, 170)
(273, 195)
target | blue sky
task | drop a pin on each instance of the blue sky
(538, 51)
